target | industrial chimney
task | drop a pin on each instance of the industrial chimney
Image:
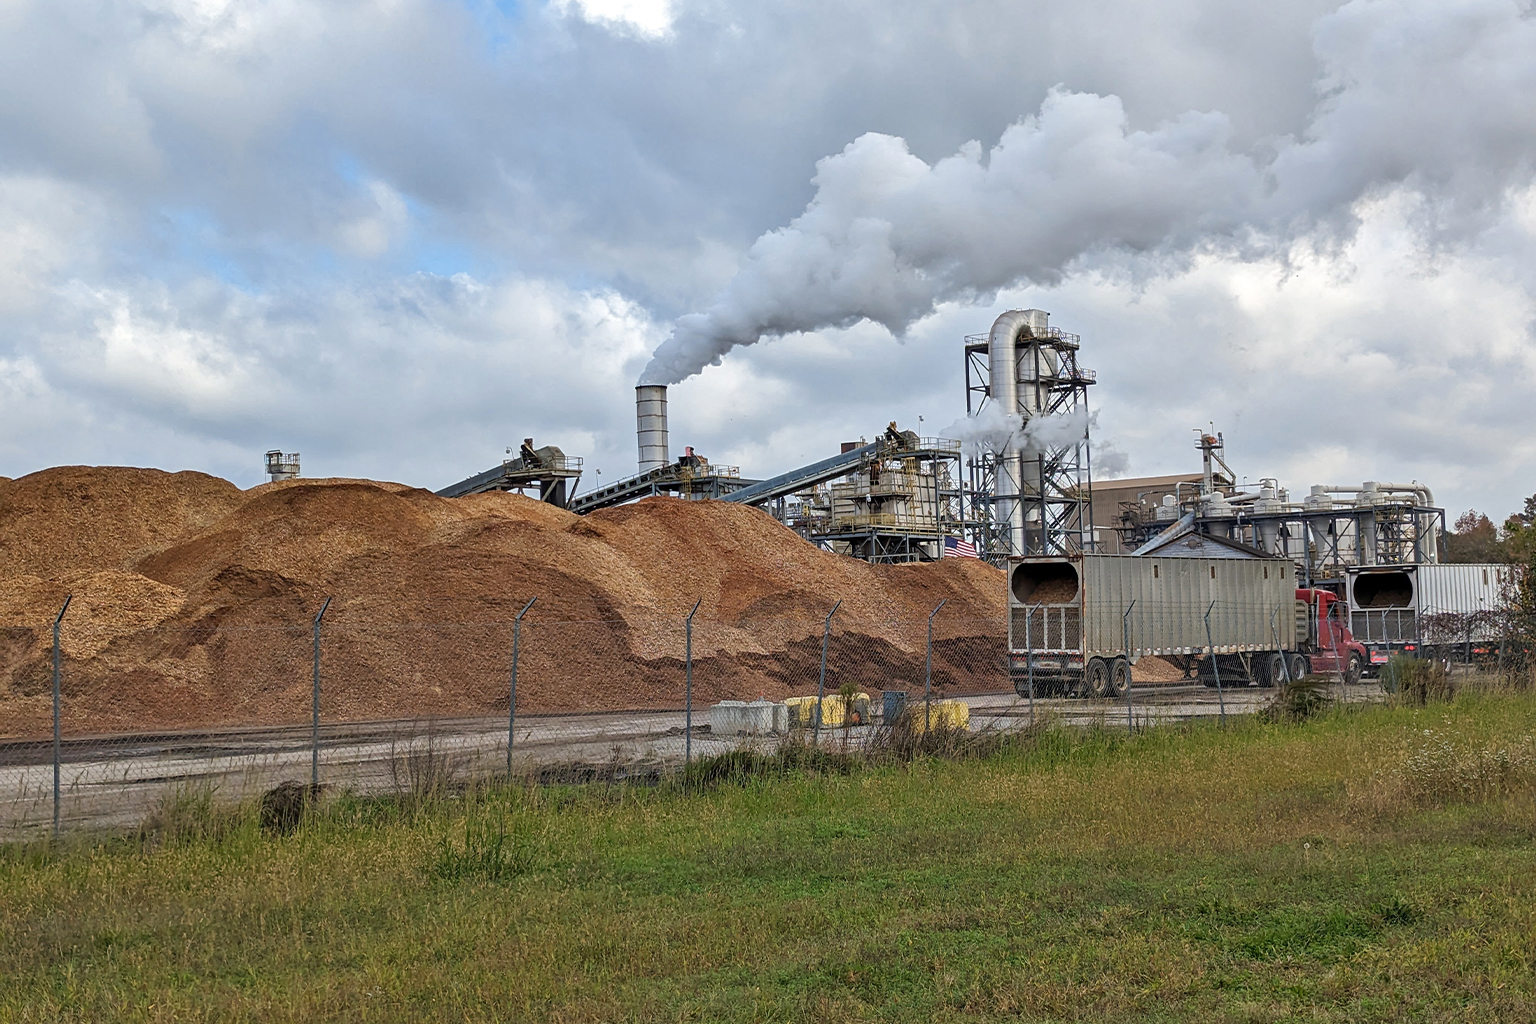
(651, 426)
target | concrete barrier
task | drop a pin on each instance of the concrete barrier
(748, 718)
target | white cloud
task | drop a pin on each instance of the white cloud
(423, 378)
(1373, 361)
(887, 236)
(44, 227)
(370, 235)
(399, 234)
(650, 19)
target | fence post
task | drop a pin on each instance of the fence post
(928, 670)
(821, 685)
(314, 726)
(1125, 628)
(517, 636)
(688, 701)
(1285, 662)
(1503, 640)
(56, 620)
(1210, 651)
(1029, 660)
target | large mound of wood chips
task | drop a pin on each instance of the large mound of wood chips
(194, 603)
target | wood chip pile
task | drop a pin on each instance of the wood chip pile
(194, 602)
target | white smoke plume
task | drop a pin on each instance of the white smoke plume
(1109, 461)
(1428, 95)
(991, 430)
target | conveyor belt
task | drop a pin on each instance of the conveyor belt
(805, 476)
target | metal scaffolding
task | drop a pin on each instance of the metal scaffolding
(1056, 480)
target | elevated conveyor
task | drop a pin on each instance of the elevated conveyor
(548, 468)
(805, 476)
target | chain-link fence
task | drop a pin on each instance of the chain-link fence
(103, 718)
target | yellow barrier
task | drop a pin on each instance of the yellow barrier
(943, 714)
(803, 711)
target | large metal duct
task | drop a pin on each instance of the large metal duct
(651, 426)
(1375, 492)
(1016, 475)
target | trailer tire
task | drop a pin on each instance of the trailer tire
(1120, 677)
(1096, 678)
(1299, 667)
(1272, 670)
(1354, 670)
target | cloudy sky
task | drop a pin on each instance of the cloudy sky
(400, 235)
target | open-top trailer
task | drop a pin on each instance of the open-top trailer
(1077, 624)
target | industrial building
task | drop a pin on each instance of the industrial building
(898, 504)
(1027, 491)
(901, 497)
(1123, 509)
(1334, 528)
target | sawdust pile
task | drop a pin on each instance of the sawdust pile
(1156, 670)
(1053, 592)
(194, 602)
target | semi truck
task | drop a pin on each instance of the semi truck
(1442, 610)
(1076, 625)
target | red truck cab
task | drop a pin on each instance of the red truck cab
(1330, 646)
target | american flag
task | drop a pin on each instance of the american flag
(954, 547)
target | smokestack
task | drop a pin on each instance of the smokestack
(651, 426)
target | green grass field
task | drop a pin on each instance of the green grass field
(1372, 865)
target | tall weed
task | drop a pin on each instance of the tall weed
(190, 812)
(1417, 681)
(1444, 769)
(1299, 700)
(494, 842)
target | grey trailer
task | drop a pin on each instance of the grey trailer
(1441, 609)
(1078, 624)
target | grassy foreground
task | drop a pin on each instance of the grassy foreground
(1373, 865)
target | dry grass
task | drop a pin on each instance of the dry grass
(1262, 872)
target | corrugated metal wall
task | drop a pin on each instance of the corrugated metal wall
(1253, 610)
(1254, 607)
(1451, 588)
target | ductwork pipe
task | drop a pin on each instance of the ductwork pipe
(1423, 496)
(1003, 374)
(1426, 499)
(651, 426)
(1423, 493)
(1231, 499)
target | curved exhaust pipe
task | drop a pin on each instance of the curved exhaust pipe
(1013, 475)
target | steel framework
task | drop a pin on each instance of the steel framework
(1060, 506)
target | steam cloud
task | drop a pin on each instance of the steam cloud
(992, 430)
(1429, 95)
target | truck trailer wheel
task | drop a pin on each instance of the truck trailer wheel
(1299, 667)
(1097, 678)
(1272, 670)
(1120, 677)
